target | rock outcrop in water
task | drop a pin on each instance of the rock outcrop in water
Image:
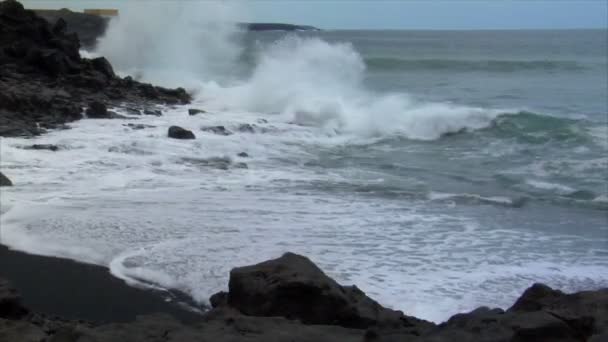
(4, 181)
(177, 132)
(293, 287)
(45, 83)
(291, 299)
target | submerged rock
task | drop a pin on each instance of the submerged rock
(133, 110)
(219, 130)
(155, 112)
(243, 155)
(4, 181)
(177, 132)
(49, 147)
(193, 111)
(138, 126)
(246, 128)
(222, 163)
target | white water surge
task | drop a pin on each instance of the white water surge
(159, 211)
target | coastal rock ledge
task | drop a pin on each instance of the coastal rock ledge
(290, 299)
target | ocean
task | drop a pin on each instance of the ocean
(437, 170)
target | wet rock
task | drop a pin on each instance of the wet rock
(97, 110)
(138, 126)
(535, 298)
(246, 128)
(219, 130)
(20, 331)
(585, 312)
(294, 287)
(193, 111)
(10, 301)
(113, 115)
(485, 324)
(177, 132)
(241, 166)
(262, 121)
(155, 112)
(221, 163)
(243, 155)
(4, 181)
(219, 299)
(102, 65)
(49, 147)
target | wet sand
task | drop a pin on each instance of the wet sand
(72, 290)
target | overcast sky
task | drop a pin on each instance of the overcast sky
(406, 14)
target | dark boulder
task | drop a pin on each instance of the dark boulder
(10, 301)
(193, 111)
(4, 181)
(586, 312)
(490, 325)
(535, 298)
(219, 130)
(243, 155)
(97, 110)
(294, 287)
(177, 132)
(541, 314)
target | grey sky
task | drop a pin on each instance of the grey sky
(408, 14)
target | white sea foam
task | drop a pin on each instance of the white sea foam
(306, 80)
(312, 82)
(173, 44)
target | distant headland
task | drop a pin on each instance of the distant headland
(92, 23)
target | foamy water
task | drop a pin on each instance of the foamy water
(431, 206)
(140, 203)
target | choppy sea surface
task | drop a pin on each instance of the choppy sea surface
(437, 170)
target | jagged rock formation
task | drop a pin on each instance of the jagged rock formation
(45, 83)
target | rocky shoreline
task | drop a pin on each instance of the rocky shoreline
(291, 299)
(45, 82)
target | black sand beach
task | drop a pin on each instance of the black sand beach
(72, 290)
